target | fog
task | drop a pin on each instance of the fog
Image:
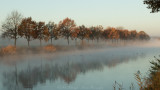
(66, 67)
(89, 51)
(63, 42)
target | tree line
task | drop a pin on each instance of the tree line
(16, 26)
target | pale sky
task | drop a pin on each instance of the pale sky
(131, 14)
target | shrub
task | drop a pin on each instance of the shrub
(49, 48)
(9, 50)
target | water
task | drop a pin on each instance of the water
(95, 69)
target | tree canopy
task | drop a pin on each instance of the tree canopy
(153, 4)
(29, 29)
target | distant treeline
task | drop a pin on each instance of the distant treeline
(16, 26)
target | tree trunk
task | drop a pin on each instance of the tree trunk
(82, 42)
(28, 43)
(40, 42)
(15, 36)
(51, 40)
(15, 42)
(28, 39)
(76, 41)
(97, 40)
(68, 40)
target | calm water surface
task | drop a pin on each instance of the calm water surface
(77, 70)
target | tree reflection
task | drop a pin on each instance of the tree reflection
(31, 76)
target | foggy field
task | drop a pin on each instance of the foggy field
(61, 45)
(108, 48)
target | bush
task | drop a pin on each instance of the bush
(9, 50)
(49, 48)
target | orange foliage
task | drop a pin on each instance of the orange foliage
(113, 34)
(49, 48)
(154, 83)
(75, 32)
(8, 50)
(68, 22)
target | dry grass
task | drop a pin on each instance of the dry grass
(9, 50)
(49, 48)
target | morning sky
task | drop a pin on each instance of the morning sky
(131, 14)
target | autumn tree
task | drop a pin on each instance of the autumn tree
(124, 34)
(120, 28)
(114, 34)
(106, 33)
(143, 36)
(10, 26)
(42, 32)
(74, 34)
(26, 29)
(53, 31)
(65, 28)
(133, 35)
(82, 32)
(153, 4)
(98, 33)
(93, 32)
(88, 33)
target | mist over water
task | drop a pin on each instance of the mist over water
(86, 68)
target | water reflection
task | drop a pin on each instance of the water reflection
(52, 70)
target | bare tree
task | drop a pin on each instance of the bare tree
(10, 26)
